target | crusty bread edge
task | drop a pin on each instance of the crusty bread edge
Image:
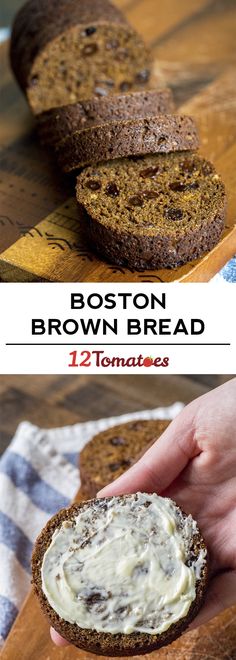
(107, 643)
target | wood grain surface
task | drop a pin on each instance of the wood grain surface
(41, 239)
(54, 401)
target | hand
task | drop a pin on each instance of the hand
(194, 463)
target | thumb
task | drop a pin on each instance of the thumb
(221, 594)
(58, 639)
(163, 461)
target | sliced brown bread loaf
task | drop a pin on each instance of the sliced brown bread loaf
(58, 123)
(121, 576)
(117, 139)
(63, 51)
(157, 211)
(111, 452)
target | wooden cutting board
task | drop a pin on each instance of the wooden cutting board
(29, 639)
(41, 238)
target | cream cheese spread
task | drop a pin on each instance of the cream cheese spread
(123, 566)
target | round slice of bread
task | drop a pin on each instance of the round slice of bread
(158, 211)
(129, 137)
(112, 452)
(121, 576)
(58, 123)
(63, 51)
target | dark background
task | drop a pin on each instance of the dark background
(51, 401)
(8, 8)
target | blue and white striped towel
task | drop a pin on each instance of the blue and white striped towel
(4, 34)
(227, 274)
(39, 476)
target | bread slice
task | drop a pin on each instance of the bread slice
(63, 51)
(158, 211)
(113, 451)
(130, 137)
(58, 123)
(121, 576)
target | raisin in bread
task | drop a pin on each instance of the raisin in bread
(63, 51)
(130, 137)
(121, 576)
(58, 123)
(158, 211)
(113, 451)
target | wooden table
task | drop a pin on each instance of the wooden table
(53, 401)
(193, 46)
